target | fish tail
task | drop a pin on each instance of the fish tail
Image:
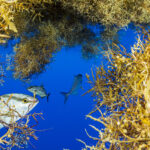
(65, 94)
(48, 96)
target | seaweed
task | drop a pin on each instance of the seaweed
(70, 21)
(18, 134)
(122, 90)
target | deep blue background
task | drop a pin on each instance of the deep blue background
(66, 122)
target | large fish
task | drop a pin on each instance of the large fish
(39, 90)
(21, 104)
(77, 84)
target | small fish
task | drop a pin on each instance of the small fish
(77, 84)
(39, 90)
(21, 103)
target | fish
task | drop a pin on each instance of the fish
(39, 90)
(22, 104)
(77, 84)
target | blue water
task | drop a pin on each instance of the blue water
(64, 122)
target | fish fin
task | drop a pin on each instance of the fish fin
(48, 96)
(65, 94)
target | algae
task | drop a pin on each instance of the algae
(122, 91)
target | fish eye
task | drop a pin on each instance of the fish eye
(25, 100)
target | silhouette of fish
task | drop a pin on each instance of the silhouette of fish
(39, 90)
(77, 84)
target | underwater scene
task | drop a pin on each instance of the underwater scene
(75, 75)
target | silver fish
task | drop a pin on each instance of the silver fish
(39, 90)
(22, 104)
(77, 84)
